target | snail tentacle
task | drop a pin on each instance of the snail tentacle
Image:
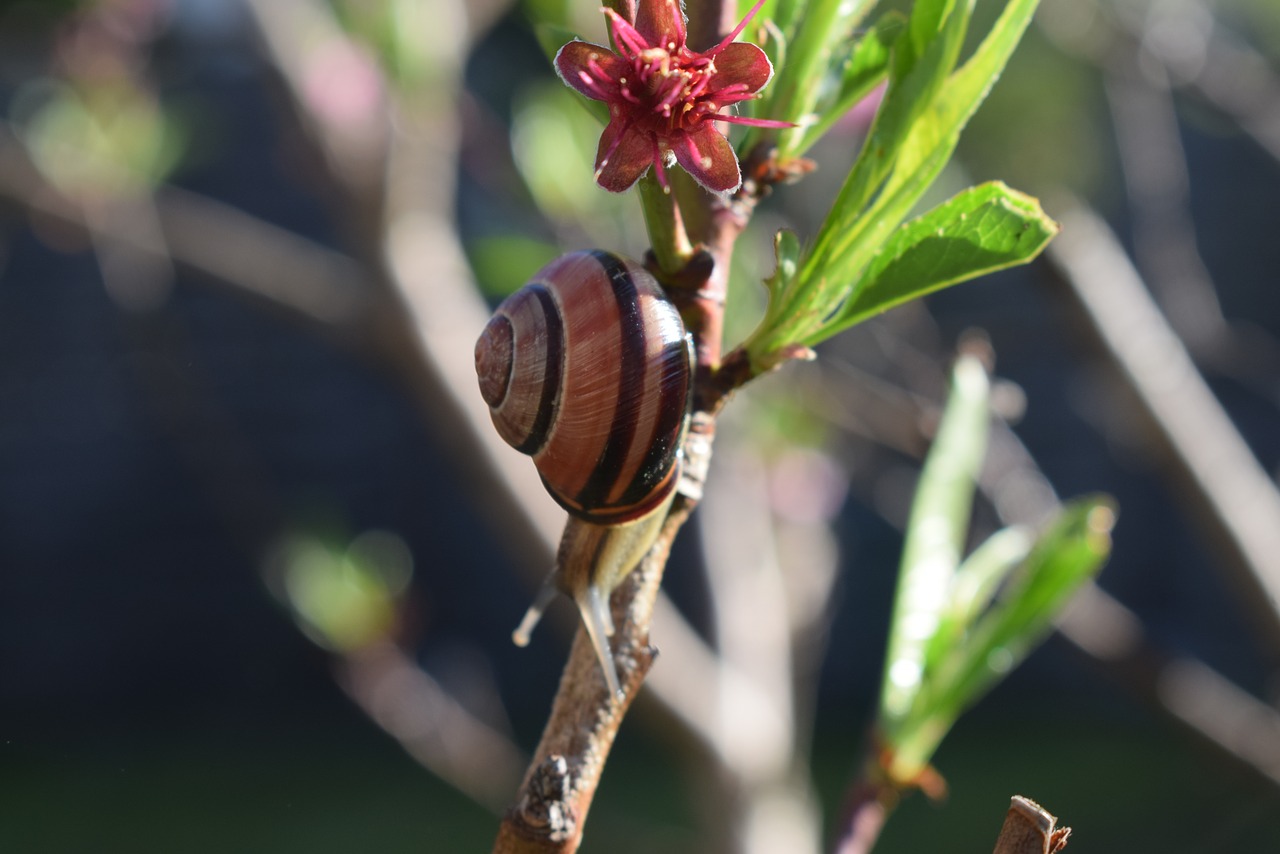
(593, 604)
(546, 593)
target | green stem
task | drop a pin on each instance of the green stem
(667, 236)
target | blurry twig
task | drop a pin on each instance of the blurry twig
(338, 297)
(1147, 51)
(426, 308)
(1240, 82)
(1186, 689)
(1193, 49)
(1200, 54)
(1159, 188)
(311, 284)
(756, 625)
(430, 724)
(132, 239)
(865, 816)
(1229, 487)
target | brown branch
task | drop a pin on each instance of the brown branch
(1030, 829)
(867, 809)
(419, 332)
(373, 306)
(551, 806)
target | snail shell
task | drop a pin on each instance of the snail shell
(588, 370)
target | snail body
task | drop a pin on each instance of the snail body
(588, 370)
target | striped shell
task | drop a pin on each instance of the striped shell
(588, 370)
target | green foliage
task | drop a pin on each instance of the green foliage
(866, 68)
(951, 636)
(815, 36)
(857, 264)
(978, 231)
(502, 263)
(974, 586)
(553, 141)
(786, 253)
(936, 534)
(98, 140)
(342, 598)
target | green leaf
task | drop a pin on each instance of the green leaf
(935, 538)
(917, 71)
(793, 95)
(975, 584)
(926, 22)
(910, 144)
(866, 68)
(914, 79)
(782, 14)
(786, 252)
(938, 132)
(981, 230)
(868, 62)
(1066, 556)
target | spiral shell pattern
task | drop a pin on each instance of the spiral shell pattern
(588, 370)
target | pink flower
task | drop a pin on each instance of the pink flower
(664, 99)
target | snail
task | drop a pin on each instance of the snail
(588, 369)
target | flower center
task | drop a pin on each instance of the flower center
(673, 88)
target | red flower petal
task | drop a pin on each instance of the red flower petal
(622, 157)
(709, 158)
(741, 67)
(661, 23)
(591, 69)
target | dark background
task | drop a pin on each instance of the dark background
(155, 697)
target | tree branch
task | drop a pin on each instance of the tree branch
(551, 806)
(1030, 829)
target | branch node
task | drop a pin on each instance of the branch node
(544, 808)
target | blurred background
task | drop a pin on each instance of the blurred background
(261, 555)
